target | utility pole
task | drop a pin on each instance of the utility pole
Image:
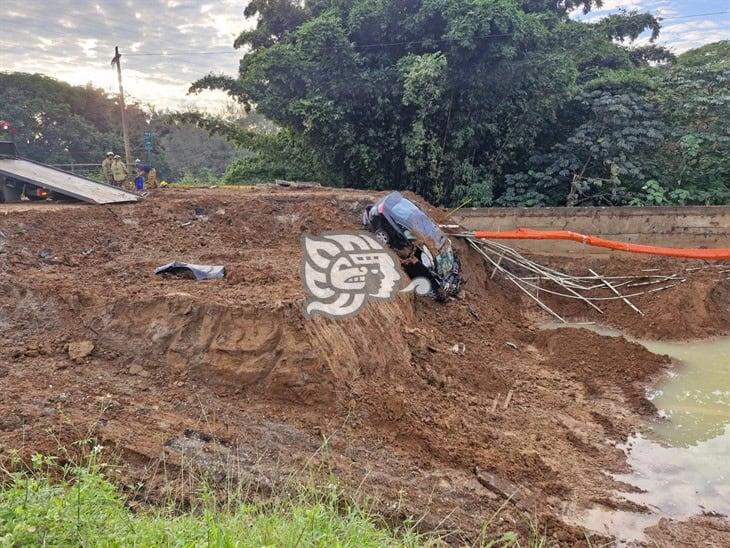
(117, 60)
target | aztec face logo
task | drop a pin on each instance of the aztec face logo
(341, 271)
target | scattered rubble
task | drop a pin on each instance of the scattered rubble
(136, 369)
(80, 350)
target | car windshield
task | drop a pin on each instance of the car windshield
(409, 216)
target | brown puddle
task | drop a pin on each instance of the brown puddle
(682, 464)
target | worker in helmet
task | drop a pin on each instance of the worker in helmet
(119, 171)
(139, 175)
(106, 168)
(150, 176)
(149, 173)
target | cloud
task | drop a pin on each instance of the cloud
(74, 40)
(76, 44)
(687, 35)
(678, 33)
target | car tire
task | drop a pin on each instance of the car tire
(382, 236)
(438, 295)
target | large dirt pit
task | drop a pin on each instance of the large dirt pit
(229, 373)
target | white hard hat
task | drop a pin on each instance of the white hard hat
(110, 153)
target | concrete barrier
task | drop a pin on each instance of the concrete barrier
(692, 226)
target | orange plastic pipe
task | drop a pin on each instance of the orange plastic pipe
(529, 234)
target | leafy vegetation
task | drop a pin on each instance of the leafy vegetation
(277, 155)
(496, 101)
(54, 504)
(694, 96)
(58, 123)
(84, 508)
(650, 136)
(605, 159)
(490, 102)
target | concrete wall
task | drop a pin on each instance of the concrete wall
(693, 226)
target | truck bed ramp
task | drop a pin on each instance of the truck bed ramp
(63, 182)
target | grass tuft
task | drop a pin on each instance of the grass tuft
(77, 505)
(46, 503)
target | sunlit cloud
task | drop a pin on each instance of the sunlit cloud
(680, 31)
(77, 44)
(692, 34)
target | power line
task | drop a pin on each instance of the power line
(355, 46)
(690, 16)
(384, 44)
(170, 53)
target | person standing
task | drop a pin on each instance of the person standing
(106, 168)
(148, 172)
(119, 171)
(151, 177)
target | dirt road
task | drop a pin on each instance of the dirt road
(230, 376)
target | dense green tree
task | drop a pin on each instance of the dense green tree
(444, 97)
(645, 136)
(604, 161)
(56, 122)
(694, 95)
(60, 123)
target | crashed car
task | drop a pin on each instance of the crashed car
(425, 251)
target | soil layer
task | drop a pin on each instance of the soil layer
(438, 410)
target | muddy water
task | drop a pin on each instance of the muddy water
(682, 463)
(696, 397)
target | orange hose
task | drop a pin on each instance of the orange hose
(529, 234)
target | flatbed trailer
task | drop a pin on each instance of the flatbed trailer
(20, 177)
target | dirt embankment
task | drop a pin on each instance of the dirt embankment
(437, 409)
(697, 306)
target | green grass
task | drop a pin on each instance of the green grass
(51, 505)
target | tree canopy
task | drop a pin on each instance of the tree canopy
(58, 123)
(498, 101)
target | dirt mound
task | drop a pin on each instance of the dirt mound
(440, 408)
(269, 350)
(696, 306)
(630, 373)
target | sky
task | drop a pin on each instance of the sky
(73, 40)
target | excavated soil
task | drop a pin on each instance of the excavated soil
(229, 374)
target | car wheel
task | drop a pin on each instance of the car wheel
(382, 236)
